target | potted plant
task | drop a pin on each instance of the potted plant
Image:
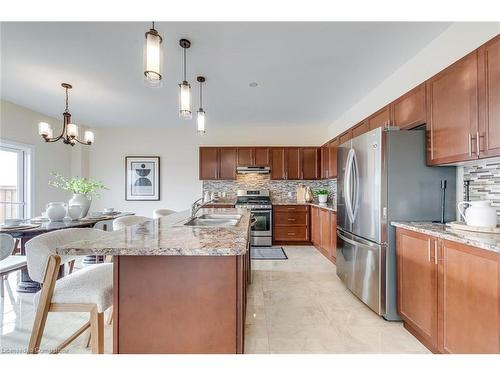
(83, 190)
(322, 195)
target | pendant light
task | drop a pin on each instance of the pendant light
(200, 120)
(153, 57)
(185, 87)
(69, 133)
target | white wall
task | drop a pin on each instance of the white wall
(178, 151)
(454, 43)
(20, 124)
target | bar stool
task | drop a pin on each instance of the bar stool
(87, 290)
(160, 212)
(8, 262)
(128, 221)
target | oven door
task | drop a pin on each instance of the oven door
(263, 223)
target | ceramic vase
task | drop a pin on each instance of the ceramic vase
(308, 196)
(322, 198)
(56, 211)
(82, 201)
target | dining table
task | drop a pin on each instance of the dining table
(25, 284)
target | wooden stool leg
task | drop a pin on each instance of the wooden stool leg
(2, 279)
(71, 266)
(49, 282)
(97, 332)
(87, 339)
(110, 316)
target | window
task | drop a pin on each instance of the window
(15, 180)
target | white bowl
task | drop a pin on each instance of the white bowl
(12, 222)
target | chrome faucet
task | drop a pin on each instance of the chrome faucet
(196, 206)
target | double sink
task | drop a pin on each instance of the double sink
(214, 220)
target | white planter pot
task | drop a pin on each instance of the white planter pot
(322, 198)
(82, 201)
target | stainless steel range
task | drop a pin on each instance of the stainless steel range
(259, 204)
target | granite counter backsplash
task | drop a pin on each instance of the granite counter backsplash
(279, 189)
(483, 241)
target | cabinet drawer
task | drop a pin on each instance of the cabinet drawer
(291, 233)
(290, 218)
(291, 208)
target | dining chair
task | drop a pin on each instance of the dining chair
(87, 290)
(8, 262)
(160, 212)
(128, 221)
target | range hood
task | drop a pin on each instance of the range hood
(251, 169)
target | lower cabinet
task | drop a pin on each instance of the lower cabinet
(448, 293)
(324, 231)
(291, 224)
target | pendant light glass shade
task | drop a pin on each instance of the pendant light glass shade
(201, 121)
(72, 130)
(88, 137)
(44, 129)
(185, 101)
(153, 58)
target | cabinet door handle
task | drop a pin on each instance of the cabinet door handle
(478, 145)
(429, 251)
(470, 144)
(435, 252)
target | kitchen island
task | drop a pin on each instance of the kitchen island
(177, 288)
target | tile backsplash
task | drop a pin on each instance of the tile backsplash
(279, 189)
(484, 177)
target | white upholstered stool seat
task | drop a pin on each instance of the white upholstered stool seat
(92, 284)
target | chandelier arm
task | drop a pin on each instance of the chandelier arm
(82, 143)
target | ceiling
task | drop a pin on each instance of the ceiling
(307, 73)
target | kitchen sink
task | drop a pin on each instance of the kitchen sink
(214, 220)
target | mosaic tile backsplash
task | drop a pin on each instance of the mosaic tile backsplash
(279, 190)
(484, 180)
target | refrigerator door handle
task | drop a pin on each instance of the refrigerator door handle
(355, 203)
(348, 186)
(356, 242)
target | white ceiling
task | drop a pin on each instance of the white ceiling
(308, 73)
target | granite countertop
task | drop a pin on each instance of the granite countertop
(287, 202)
(483, 241)
(168, 236)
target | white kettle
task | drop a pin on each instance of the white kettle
(479, 214)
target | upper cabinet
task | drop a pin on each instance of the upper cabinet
(217, 163)
(488, 138)
(408, 111)
(380, 118)
(278, 163)
(452, 112)
(310, 163)
(209, 163)
(325, 161)
(293, 163)
(253, 156)
(332, 146)
(345, 136)
(360, 128)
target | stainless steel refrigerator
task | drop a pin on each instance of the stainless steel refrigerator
(383, 177)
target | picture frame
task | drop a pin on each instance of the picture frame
(142, 178)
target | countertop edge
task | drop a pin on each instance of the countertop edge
(444, 232)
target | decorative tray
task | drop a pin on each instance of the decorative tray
(462, 226)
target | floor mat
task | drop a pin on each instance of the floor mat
(271, 253)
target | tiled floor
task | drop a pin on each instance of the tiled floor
(300, 306)
(294, 306)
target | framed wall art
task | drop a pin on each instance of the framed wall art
(142, 178)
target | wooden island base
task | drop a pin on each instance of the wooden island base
(180, 304)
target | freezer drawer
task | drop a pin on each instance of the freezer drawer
(361, 266)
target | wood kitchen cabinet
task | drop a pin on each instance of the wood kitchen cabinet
(380, 118)
(448, 293)
(310, 163)
(315, 226)
(261, 156)
(345, 136)
(293, 166)
(360, 128)
(452, 112)
(332, 154)
(278, 163)
(488, 138)
(469, 289)
(291, 224)
(227, 163)
(209, 163)
(325, 162)
(325, 229)
(246, 156)
(417, 284)
(408, 111)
